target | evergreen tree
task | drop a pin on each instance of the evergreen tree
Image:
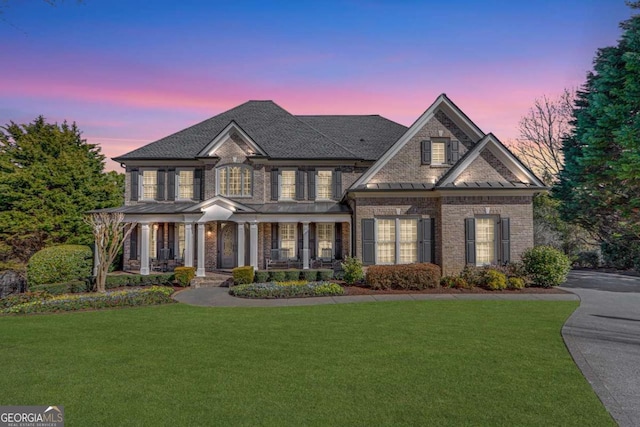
(49, 178)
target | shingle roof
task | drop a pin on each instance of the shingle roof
(282, 135)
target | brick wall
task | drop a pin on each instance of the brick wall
(486, 168)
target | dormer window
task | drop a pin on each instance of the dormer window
(234, 180)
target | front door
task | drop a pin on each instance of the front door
(228, 244)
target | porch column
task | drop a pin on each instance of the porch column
(144, 250)
(241, 256)
(188, 244)
(253, 244)
(305, 245)
(200, 271)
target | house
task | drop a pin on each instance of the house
(256, 185)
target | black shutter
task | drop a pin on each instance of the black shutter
(368, 242)
(312, 240)
(134, 184)
(426, 238)
(171, 239)
(505, 240)
(159, 240)
(311, 181)
(338, 238)
(300, 185)
(470, 239)
(426, 152)
(274, 184)
(337, 184)
(300, 243)
(454, 155)
(274, 235)
(160, 185)
(198, 184)
(133, 244)
(171, 184)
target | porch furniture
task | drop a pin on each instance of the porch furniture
(280, 258)
(155, 264)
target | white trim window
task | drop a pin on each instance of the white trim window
(485, 241)
(234, 180)
(149, 184)
(184, 184)
(324, 180)
(386, 241)
(408, 241)
(288, 238)
(438, 153)
(287, 185)
(324, 237)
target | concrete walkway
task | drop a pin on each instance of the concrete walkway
(603, 336)
(219, 297)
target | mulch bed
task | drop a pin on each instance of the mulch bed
(359, 290)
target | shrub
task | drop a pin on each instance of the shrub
(291, 274)
(242, 275)
(261, 276)
(454, 282)
(121, 280)
(352, 270)
(589, 259)
(325, 274)
(494, 280)
(52, 288)
(58, 264)
(407, 276)
(310, 275)
(276, 276)
(546, 266)
(277, 290)
(127, 298)
(515, 283)
(23, 298)
(184, 275)
(474, 276)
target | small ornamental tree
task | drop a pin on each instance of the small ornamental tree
(109, 232)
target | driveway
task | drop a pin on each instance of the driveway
(603, 336)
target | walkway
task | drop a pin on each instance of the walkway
(603, 336)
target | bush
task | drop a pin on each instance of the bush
(325, 274)
(261, 276)
(474, 276)
(184, 275)
(454, 282)
(494, 280)
(276, 276)
(310, 275)
(515, 283)
(52, 288)
(59, 264)
(621, 252)
(407, 276)
(546, 266)
(127, 298)
(242, 275)
(276, 290)
(291, 274)
(588, 259)
(352, 270)
(121, 280)
(23, 298)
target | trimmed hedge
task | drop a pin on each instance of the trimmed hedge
(128, 298)
(321, 275)
(121, 280)
(184, 275)
(242, 275)
(406, 276)
(546, 266)
(73, 287)
(275, 290)
(59, 264)
(261, 276)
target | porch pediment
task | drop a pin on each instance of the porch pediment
(219, 209)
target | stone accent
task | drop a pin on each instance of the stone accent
(11, 282)
(210, 246)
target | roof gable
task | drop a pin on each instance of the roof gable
(224, 135)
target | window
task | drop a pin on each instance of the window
(288, 238)
(438, 153)
(184, 184)
(234, 181)
(386, 229)
(149, 184)
(287, 185)
(485, 241)
(323, 183)
(324, 237)
(408, 241)
(180, 241)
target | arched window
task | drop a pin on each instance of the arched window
(234, 180)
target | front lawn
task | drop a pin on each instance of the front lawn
(396, 363)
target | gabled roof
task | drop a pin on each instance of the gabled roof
(490, 142)
(280, 134)
(443, 103)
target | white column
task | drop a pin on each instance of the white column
(144, 250)
(188, 244)
(305, 245)
(200, 271)
(241, 256)
(253, 244)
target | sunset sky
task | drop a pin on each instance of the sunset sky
(130, 72)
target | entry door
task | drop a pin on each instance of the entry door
(228, 244)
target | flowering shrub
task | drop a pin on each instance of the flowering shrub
(129, 298)
(454, 282)
(288, 290)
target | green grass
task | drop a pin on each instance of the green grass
(396, 363)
